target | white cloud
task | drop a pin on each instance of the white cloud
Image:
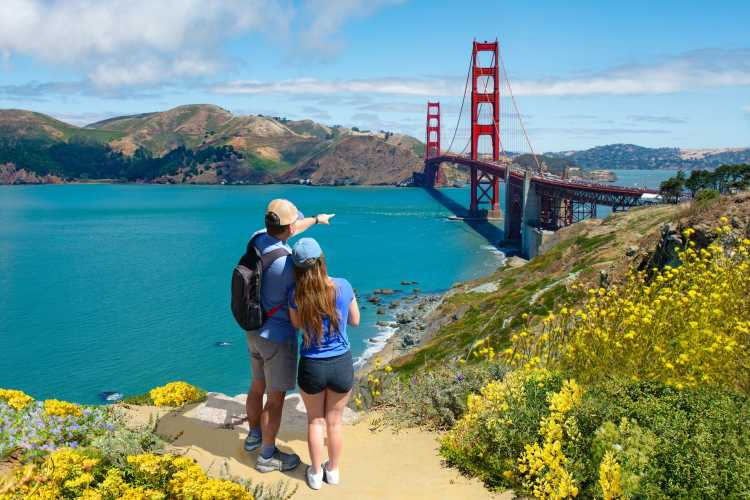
(315, 86)
(326, 19)
(746, 109)
(694, 70)
(151, 70)
(709, 68)
(142, 42)
(656, 119)
(83, 117)
(127, 42)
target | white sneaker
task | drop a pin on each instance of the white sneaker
(330, 476)
(314, 481)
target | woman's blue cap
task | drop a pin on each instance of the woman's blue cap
(306, 252)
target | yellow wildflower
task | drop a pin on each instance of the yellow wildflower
(54, 407)
(175, 394)
(18, 400)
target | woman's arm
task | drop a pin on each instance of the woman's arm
(353, 312)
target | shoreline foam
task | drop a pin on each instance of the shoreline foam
(417, 310)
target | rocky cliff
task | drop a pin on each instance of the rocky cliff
(10, 175)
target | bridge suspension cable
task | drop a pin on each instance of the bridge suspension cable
(512, 134)
(506, 78)
(460, 112)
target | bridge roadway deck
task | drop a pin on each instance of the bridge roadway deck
(555, 183)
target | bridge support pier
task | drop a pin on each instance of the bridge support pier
(529, 213)
(485, 189)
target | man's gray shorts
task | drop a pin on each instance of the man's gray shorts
(274, 362)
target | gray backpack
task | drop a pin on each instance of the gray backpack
(247, 277)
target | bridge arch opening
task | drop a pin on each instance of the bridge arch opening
(486, 84)
(484, 147)
(485, 59)
(484, 113)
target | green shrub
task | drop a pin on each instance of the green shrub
(117, 445)
(705, 195)
(498, 423)
(631, 445)
(437, 398)
(664, 442)
(703, 437)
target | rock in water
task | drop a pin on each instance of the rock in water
(110, 396)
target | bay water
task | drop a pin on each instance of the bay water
(119, 288)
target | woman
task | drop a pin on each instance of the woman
(321, 307)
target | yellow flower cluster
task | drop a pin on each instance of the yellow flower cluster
(175, 394)
(69, 473)
(63, 473)
(483, 350)
(685, 326)
(18, 400)
(57, 408)
(374, 384)
(543, 466)
(610, 477)
(184, 478)
(489, 410)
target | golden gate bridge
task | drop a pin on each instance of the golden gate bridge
(535, 200)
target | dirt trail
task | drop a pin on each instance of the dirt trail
(378, 464)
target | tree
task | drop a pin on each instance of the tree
(698, 180)
(671, 189)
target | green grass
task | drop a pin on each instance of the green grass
(590, 244)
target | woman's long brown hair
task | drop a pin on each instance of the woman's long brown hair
(316, 300)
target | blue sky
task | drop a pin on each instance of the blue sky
(667, 73)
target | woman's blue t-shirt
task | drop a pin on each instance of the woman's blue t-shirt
(333, 344)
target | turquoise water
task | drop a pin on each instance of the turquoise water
(123, 287)
(120, 287)
(642, 178)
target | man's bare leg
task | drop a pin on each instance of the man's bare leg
(254, 403)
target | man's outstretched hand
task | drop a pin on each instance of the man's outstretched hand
(325, 218)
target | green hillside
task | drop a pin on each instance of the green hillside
(213, 145)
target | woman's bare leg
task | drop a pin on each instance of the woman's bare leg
(335, 403)
(316, 427)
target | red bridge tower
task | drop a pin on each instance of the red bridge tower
(432, 142)
(485, 188)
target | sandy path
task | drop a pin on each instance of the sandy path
(376, 465)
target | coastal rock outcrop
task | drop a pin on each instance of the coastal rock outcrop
(10, 175)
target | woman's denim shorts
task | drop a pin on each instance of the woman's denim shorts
(335, 373)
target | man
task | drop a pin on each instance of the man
(273, 348)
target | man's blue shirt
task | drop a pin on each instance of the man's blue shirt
(278, 280)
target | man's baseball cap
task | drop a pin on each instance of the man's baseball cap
(281, 212)
(306, 253)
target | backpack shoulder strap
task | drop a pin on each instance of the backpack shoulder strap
(268, 258)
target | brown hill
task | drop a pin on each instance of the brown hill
(271, 149)
(359, 159)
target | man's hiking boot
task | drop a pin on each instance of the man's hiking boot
(279, 461)
(252, 443)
